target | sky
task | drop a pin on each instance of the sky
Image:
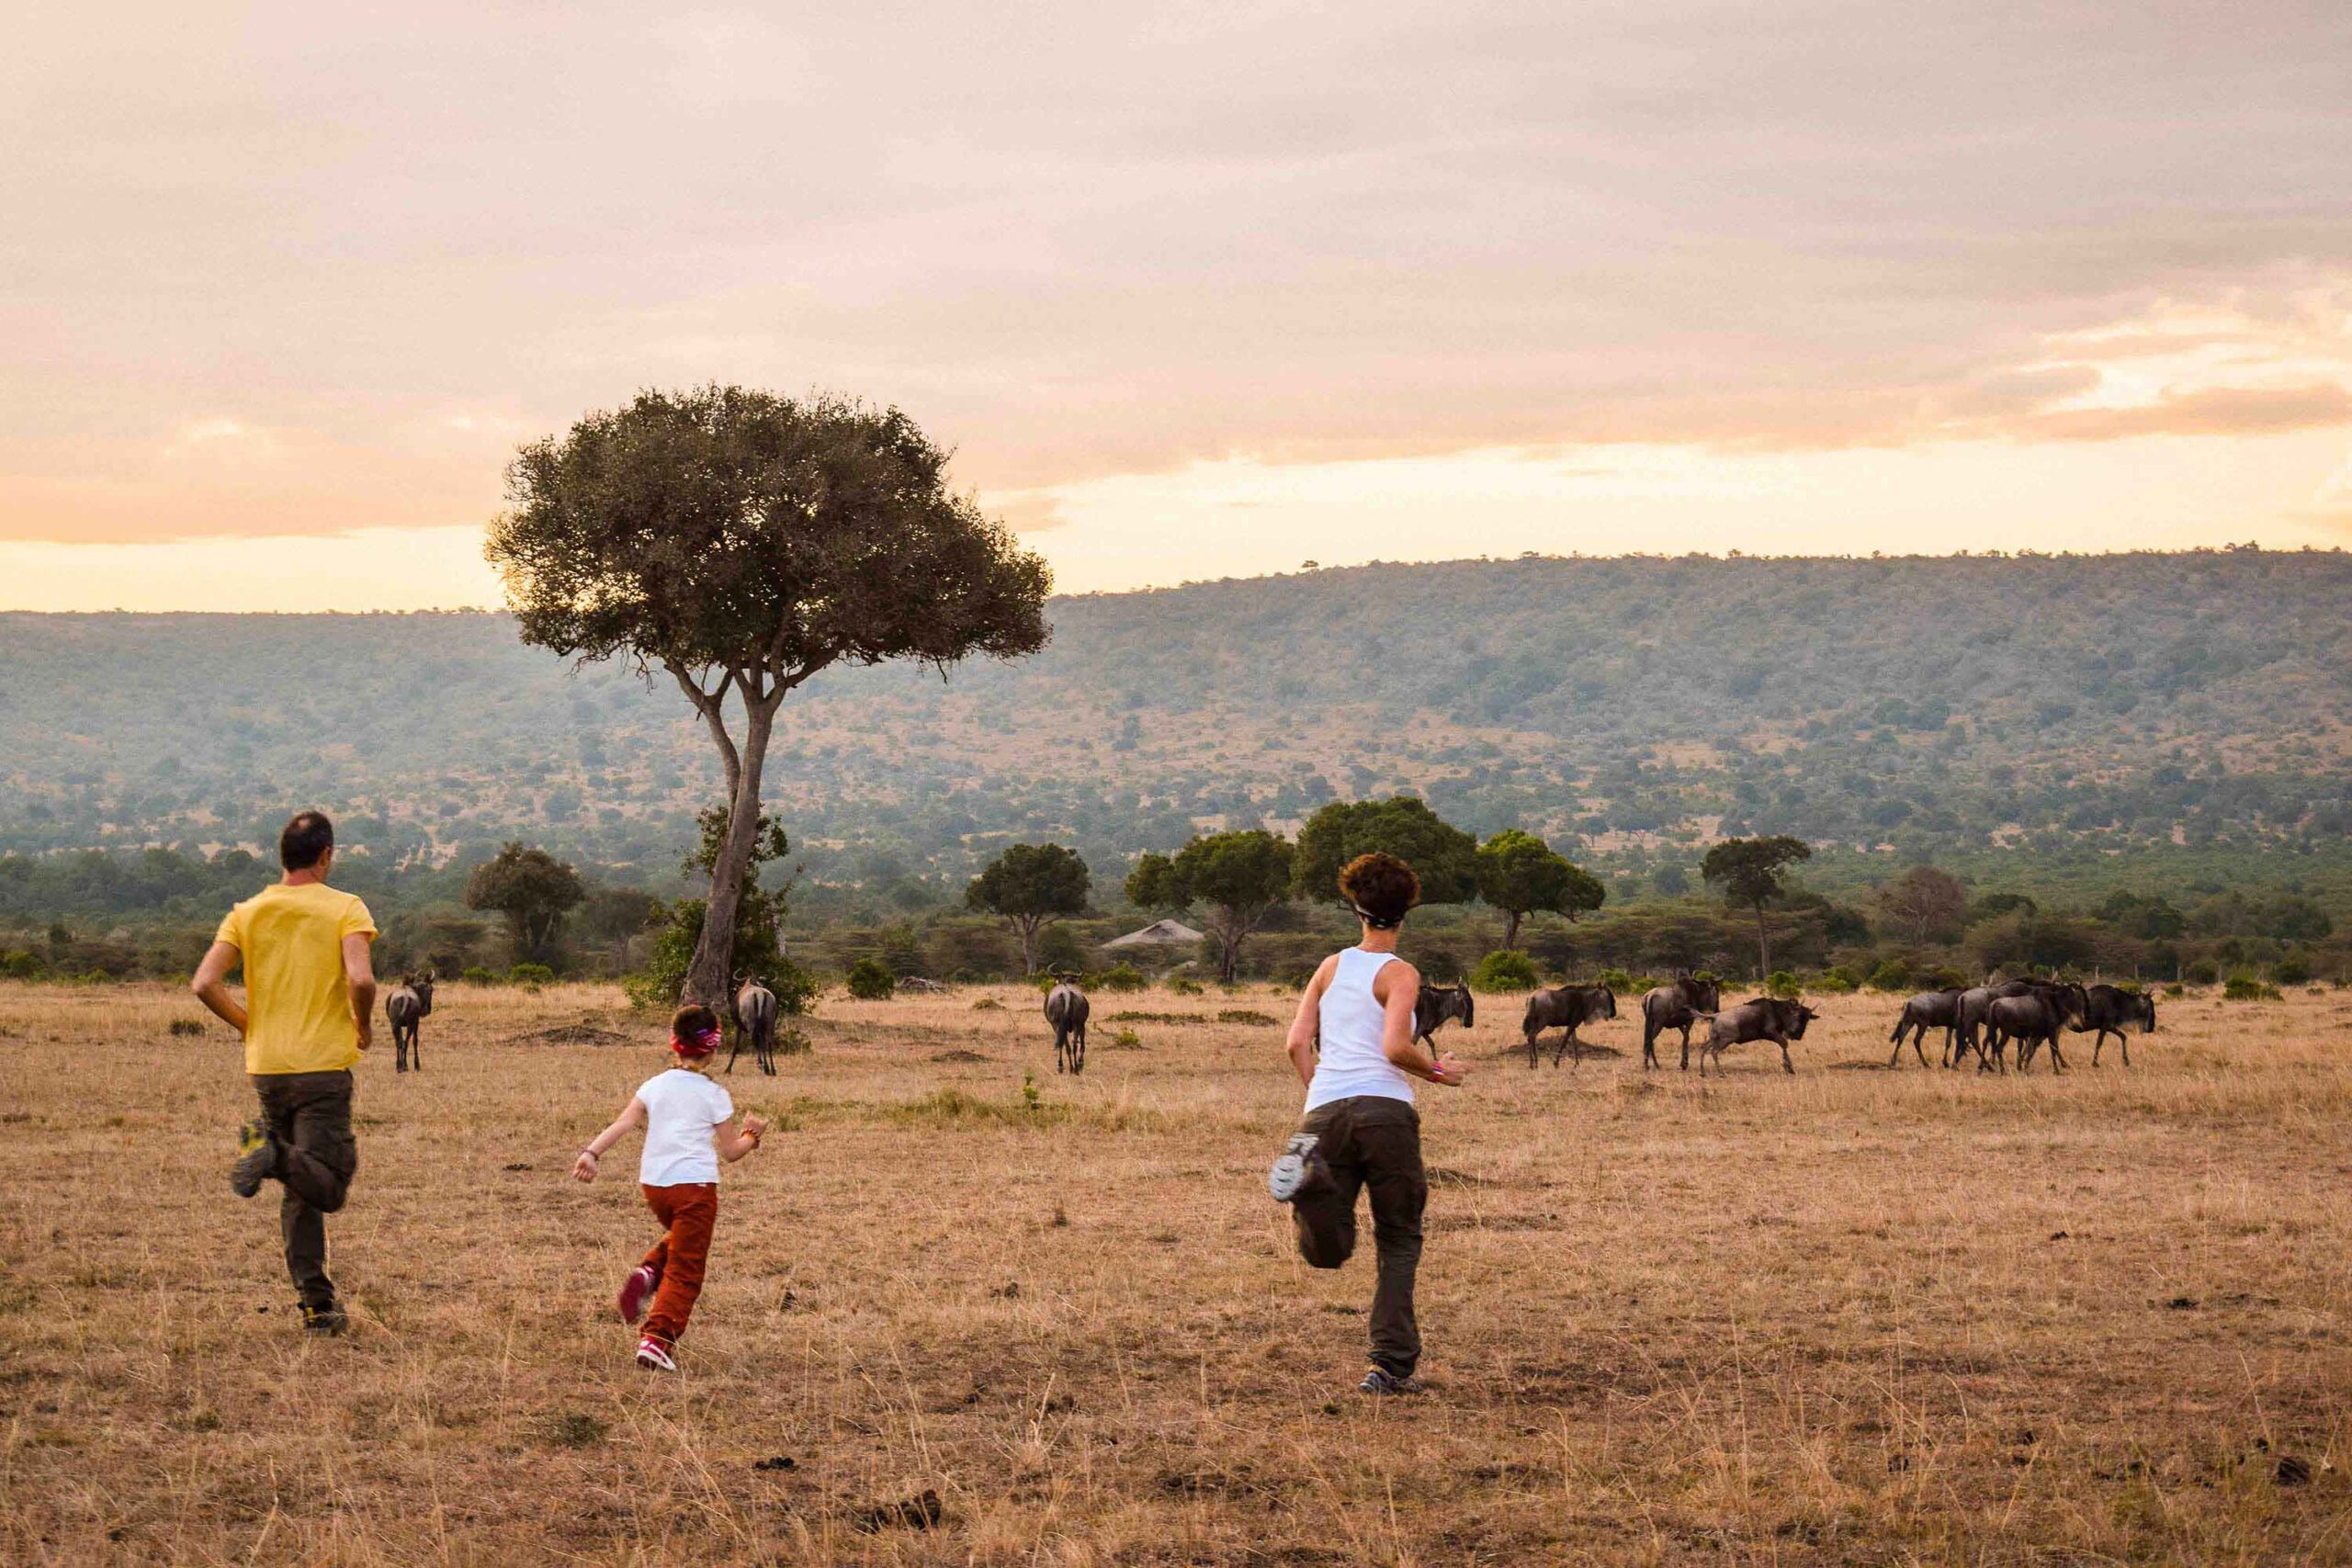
(1193, 292)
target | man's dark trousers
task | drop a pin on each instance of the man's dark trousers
(1369, 1141)
(310, 1119)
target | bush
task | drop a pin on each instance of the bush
(870, 980)
(25, 965)
(182, 1026)
(478, 975)
(1781, 983)
(1944, 978)
(1184, 987)
(1892, 975)
(1840, 981)
(1505, 970)
(1119, 977)
(1618, 981)
(987, 1004)
(2291, 972)
(531, 975)
(2245, 987)
(790, 1041)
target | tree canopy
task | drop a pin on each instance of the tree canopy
(534, 890)
(743, 541)
(1751, 871)
(1029, 886)
(1520, 874)
(1237, 877)
(1440, 854)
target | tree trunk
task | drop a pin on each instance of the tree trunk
(1763, 949)
(1510, 929)
(707, 981)
(1229, 937)
(1027, 926)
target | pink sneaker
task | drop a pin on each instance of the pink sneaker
(654, 1355)
(637, 1289)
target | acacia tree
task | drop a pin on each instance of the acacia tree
(1923, 903)
(1029, 886)
(1240, 876)
(534, 890)
(1440, 854)
(742, 542)
(1749, 872)
(1520, 874)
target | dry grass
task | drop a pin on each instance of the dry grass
(1856, 1316)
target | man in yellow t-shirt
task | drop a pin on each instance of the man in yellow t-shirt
(309, 998)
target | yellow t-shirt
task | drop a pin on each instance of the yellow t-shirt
(297, 1004)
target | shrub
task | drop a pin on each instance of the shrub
(1892, 975)
(1840, 981)
(187, 1026)
(1125, 1040)
(2291, 972)
(1120, 977)
(1618, 980)
(1245, 1015)
(987, 1004)
(478, 975)
(790, 1041)
(1944, 978)
(25, 965)
(1781, 983)
(2201, 972)
(1184, 987)
(1505, 969)
(2245, 987)
(531, 975)
(870, 980)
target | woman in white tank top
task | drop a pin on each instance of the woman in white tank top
(1361, 1132)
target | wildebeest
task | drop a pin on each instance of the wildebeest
(2034, 1020)
(1929, 1010)
(1677, 1005)
(2108, 1009)
(1066, 1010)
(1974, 1003)
(1760, 1018)
(1439, 1005)
(756, 1020)
(1565, 1007)
(409, 1004)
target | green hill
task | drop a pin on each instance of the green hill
(1627, 708)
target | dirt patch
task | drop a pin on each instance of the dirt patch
(572, 1035)
(960, 1055)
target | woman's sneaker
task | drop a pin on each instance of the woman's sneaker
(1296, 1168)
(637, 1289)
(1379, 1380)
(654, 1355)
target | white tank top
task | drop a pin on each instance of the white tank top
(1352, 1021)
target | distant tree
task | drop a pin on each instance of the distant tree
(870, 980)
(2150, 916)
(1238, 877)
(534, 890)
(743, 542)
(1520, 874)
(1994, 905)
(1671, 881)
(1442, 855)
(2024, 940)
(1028, 887)
(1750, 872)
(616, 916)
(1924, 904)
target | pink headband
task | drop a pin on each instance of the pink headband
(702, 1045)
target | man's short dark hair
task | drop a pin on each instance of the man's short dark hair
(306, 841)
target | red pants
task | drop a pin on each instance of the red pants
(689, 1211)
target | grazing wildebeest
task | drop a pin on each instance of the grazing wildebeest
(756, 1020)
(1565, 1007)
(2033, 1020)
(1760, 1018)
(2108, 1009)
(1440, 1005)
(409, 1004)
(1677, 1006)
(1929, 1010)
(1066, 1010)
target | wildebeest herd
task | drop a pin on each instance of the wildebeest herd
(1979, 1020)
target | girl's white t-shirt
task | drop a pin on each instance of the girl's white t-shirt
(682, 1109)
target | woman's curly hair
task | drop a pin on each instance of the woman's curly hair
(1381, 887)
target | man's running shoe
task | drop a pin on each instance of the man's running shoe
(654, 1355)
(325, 1319)
(256, 1159)
(1379, 1380)
(1296, 1168)
(637, 1289)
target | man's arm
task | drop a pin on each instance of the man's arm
(211, 986)
(1398, 987)
(1303, 1026)
(359, 973)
